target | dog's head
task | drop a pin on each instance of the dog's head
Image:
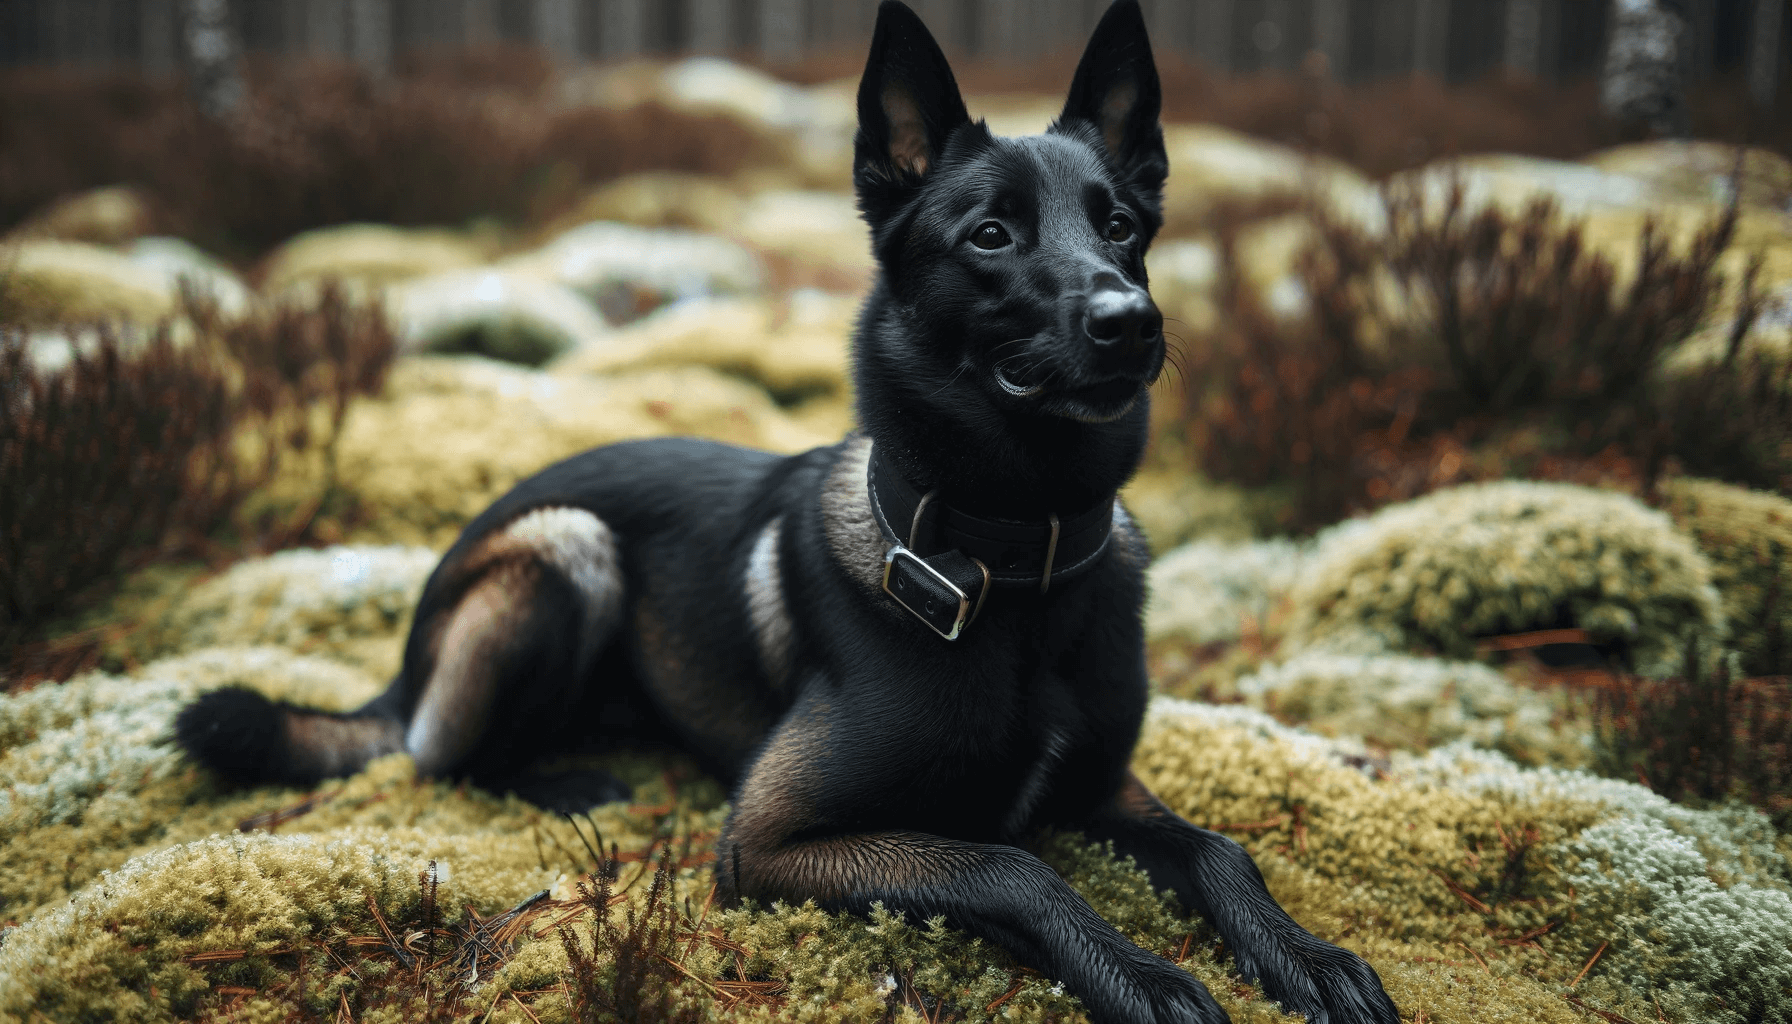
(1012, 301)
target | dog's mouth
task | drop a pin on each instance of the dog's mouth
(1096, 402)
(1020, 381)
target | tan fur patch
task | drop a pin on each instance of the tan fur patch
(1114, 111)
(716, 713)
(764, 585)
(451, 713)
(330, 746)
(1135, 801)
(909, 145)
(853, 537)
(1128, 543)
(577, 544)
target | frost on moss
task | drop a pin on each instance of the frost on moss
(1435, 574)
(1404, 703)
(1721, 950)
(1747, 536)
(1201, 592)
(1464, 854)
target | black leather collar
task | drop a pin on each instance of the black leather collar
(1015, 553)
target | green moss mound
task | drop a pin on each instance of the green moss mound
(1747, 537)
(1435, 574)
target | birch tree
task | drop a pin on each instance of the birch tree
(213, 56)
(1645, 66)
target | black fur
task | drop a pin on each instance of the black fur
(872, 761)
(237, 732)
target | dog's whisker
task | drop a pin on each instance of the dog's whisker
(962, 366)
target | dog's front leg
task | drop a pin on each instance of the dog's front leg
(1215, 877)
(780, 845)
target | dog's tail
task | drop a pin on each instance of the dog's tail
(252, 740)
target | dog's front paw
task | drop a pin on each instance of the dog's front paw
(1327, 984)
(1172, 994)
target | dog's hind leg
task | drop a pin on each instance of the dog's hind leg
(1215, 877)
(500, 660)
(508, 662)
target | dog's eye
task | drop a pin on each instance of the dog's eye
(1119, 229)
(990, 236)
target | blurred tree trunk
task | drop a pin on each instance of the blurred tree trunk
(370, 34)
(1331, 36)
(1645, 66)
(1213, 33)
(1766, 29)
(1524, 38)
(556, 24)
(711, 25)
(622, 27)
(213, 55)
(1431, 38)
(781, 25)
(158, 36)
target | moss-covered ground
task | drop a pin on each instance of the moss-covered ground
(134, 888)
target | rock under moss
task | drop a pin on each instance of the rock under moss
(1747, 537)
(45, 282)
(1435, 574)
(451, 434)
(371, 255)
(1404, 703)
(794, 346)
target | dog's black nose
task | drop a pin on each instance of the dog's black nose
(1122, 318)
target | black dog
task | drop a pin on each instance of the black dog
(909, 651)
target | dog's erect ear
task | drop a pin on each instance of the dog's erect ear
(908, 100)
(1116, 90)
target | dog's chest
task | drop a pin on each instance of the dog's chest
(1045, 761)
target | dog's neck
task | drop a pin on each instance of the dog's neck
(990, 463)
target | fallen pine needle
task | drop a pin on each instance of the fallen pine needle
(1590, 962)
(1605, 1015)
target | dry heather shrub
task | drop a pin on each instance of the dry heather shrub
(1484, 560)
(1731, 417)
(130, 451)
(1747, 537)
(1464, 345)
(302, 361)
(1704, 735)
(318, 144)
(123, 448)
